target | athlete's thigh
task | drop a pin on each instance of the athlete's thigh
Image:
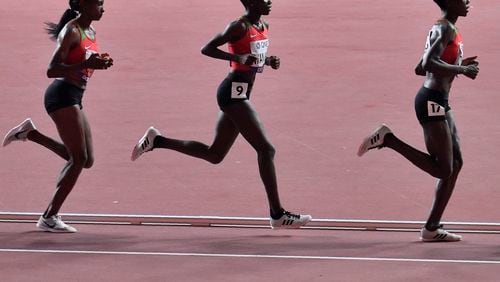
(438, 141)
(69, 122)
(248, 123)
(226, 133)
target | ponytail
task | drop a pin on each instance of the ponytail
(54, 29)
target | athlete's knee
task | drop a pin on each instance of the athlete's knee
(89, 163)
(445, 171)
(458, 163)
(215, 158)
(79, 158)
(267, 151)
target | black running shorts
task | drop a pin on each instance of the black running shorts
(61, 94)
(236, 87)
(431, 105)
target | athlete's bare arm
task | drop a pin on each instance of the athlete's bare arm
(439, 38)
(233, 32)
(67, 39)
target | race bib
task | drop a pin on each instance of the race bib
(239, 90)
(460, 53)
(87, 73)
(434, 109)
(259, 48)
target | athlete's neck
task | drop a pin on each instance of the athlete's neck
(252, 17)
(83, 21)
(450, 17)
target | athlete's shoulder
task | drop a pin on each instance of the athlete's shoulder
(73, 26)
(70, 29)
(237, 29)
(445, 28)
(243, 23)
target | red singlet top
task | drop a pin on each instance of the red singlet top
(453, 53)
(80, 53)
(255, 42)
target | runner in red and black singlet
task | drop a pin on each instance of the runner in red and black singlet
(80, 53)
(248, 44)
(441, 63)
(255, 42)
(453, 52)
(72, 64)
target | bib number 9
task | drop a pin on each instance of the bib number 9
(239, 90)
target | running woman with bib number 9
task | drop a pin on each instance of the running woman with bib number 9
(248, 44)
(73, 62)
(440, 64)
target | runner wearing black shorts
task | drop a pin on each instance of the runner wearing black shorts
(441, 63)
(248, 43)
(72, 64)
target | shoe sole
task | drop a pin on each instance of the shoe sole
(438, 240)
(287, 227)
(291, 226)
(363, 148)
(52, 230)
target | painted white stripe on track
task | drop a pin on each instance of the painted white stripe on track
(249, 256)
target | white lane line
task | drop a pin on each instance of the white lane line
(248, 256)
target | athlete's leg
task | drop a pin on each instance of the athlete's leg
(225, 135)
(251, 128)
(89, 143)
(49, 143)
(71, 127)
(439, 161)
(28, 131)
(446, 186)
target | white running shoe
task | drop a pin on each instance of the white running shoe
(54, 224)
(289, 220)
(20, 132)
(145, 144)
(438, 235)
(374, 140)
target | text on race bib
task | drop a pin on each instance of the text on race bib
(434, 109)
(259, 48)
(239, 90)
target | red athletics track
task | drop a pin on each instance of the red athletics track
(346, 66)
(129, 253)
